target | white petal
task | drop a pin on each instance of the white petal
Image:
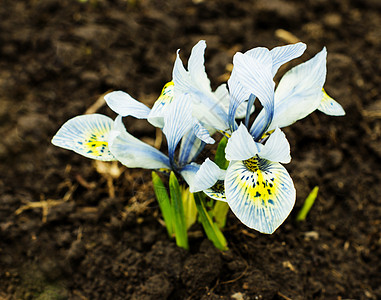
(132, 152)
(123, 104)
(202, 133)
(190, 147)
(189, 172)
(255, 75)
(87, 135)
(330, 107)
(260, 193)
(241, 145)
(206, 176)
(277, 148)
(196, 67)
(177, 121)
(299, 92)
(286, 53)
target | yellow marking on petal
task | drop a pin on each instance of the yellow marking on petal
(326, 97)
(261, 185)
(166, 95)
(217, 191)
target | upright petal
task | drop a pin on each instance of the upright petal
(177, 121)
(123, 104)
(202, 133)
(241, 145)
(330, 107)
(260, 193)
(284, 54)
(277, 148)
(196, 67)
(132, 152)
(87, 135)
(156, 115)
(254, 73)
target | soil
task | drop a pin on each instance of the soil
(70, 230)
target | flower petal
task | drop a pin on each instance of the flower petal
(299, 92)
(254, 73)
(132, 152)
(189, 172)
(196, 67)
(156, 115)
(277, 148)
(123, 104)
(190, 147)
(217, 191)
(260, 193)
(330, 107)
(286, 53)
(86, 135)
(177, 121)
(202, 133)
(241, 145)
(206, 176)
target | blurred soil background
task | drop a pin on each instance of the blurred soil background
(74, 229)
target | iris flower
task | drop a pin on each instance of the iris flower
(256, 186)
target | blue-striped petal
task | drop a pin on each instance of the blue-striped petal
(202, 133)
(123, 104)
(256, 77)
(190, 147)
(156, 115)
(217, 191)
(298, 94)
(87, 135)
(260, 193)
(132, 152)
(177, 121)
(330, 107)
(189, 171)
(283, 54)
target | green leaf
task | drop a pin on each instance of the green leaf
(178, 212)
(307, 204)
(164, 202)
(220, 211)
(211, 229)
(220, 159)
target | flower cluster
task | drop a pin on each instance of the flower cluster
(255, 185)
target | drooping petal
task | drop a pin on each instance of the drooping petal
(330, 107)
(286, 53)
(156, 115)
(189, 171)
(87, 135)
(298, 94)
(206, 176)
(132, 152)
(260, 193)
(177, 121)
(123, 104)
(241, 145)
(217, 191)
(202, 133)
(277, 148)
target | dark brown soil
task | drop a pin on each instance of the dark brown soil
(69, 232)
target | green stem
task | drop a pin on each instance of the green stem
(164, 202)
(211, 229)
(178, 212)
